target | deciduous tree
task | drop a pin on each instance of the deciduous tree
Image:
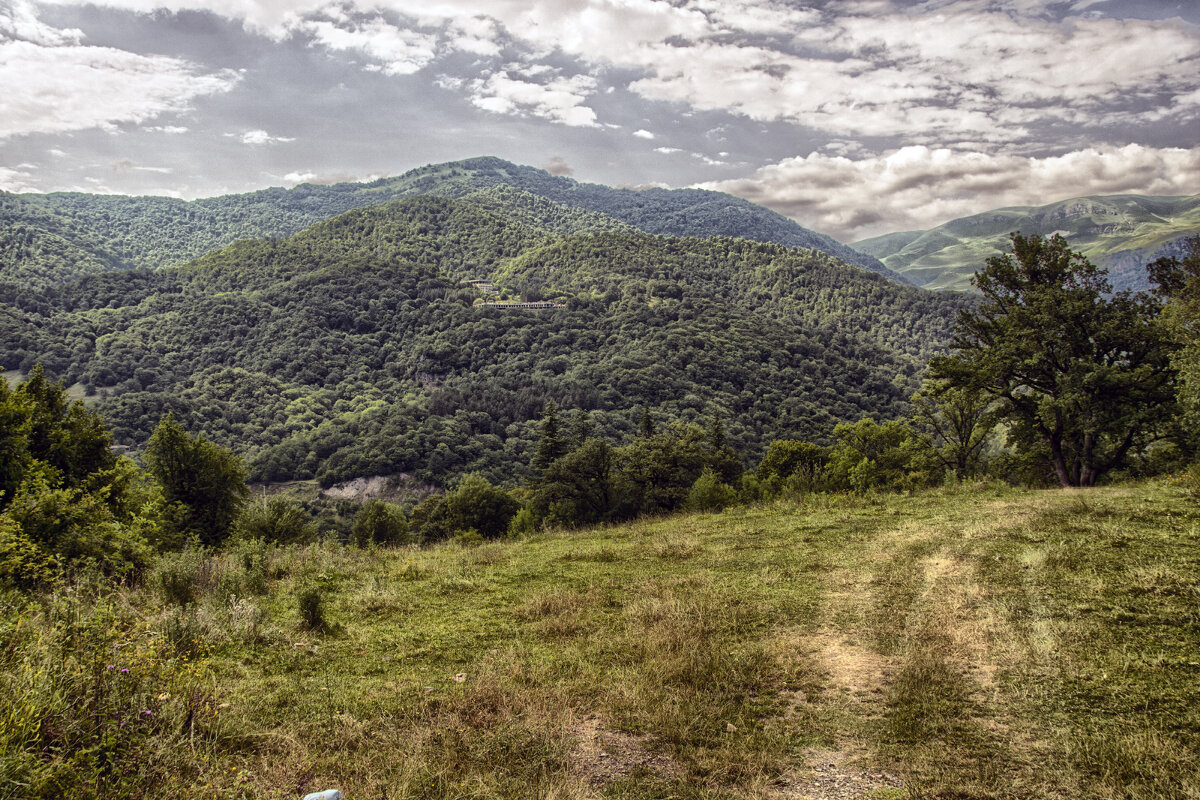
(1082, 373)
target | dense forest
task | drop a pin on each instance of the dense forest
(52, 237)
(357, 347)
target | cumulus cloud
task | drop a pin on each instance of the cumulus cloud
(260, 136)
(391, 49)
(556, 98)
(643, 134)
(53, 83)
(918, 187)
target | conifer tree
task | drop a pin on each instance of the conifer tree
(551, 447)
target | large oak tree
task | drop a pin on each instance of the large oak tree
(1083, 376)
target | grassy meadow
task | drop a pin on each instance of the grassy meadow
(962, 643)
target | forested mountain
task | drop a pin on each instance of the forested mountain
(51, 237)
(356, 346)
(1121, 233)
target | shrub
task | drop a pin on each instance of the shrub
(523, 523)
(311, 603)
(278, 520)
(708, 493)
(379, 523)
(182, 577)
(22, 564)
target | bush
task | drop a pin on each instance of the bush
(379, 523)
(708, 493)
(523, 523)
(311, 603)
(277, 520)
(182, 577)
(22, 564)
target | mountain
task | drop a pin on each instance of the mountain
(358, 346)
(1121, 233)
(51, 237)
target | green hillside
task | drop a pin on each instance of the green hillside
(1121, 233)
(979, 643)
(356, 347)
(52, 237)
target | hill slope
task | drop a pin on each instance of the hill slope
(47, 238)
(1121, 233)
(355, 347)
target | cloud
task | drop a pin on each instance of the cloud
(169, 129)
(937, 72)
(260, 136)
(393, 50)
(557, 98)
(19, 22)
(326, 179)
(16, 180)
(643, 134)
(557, 165)
(128, 165)
(54, 84)
(918, 187)
(668, 150)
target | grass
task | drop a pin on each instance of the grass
(974, 643)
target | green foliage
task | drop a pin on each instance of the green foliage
(957, 423)
(786, 458)
(379, 523)
(1178, 281)
(45, 239)
(1083, 375)
(551, 446)
(206, 480)
(869, 455)
(577, 489)
(181, 577)
(276, 519)
(709, 493)
(94, 708)
(310, 602)
(354, 349)
(523, 523)
(23, 565)
(474, 504)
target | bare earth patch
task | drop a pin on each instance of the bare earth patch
(834, 775)
(603, 756)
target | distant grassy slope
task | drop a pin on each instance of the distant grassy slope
(980, 643)
(51, 237)
(1121, 233)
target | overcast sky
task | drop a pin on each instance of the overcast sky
(854, 117)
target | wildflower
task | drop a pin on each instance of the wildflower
(125, 669)
(147, 713)
(111, 666)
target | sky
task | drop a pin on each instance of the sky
(853, 117)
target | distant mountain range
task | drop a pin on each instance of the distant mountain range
(45, 238)
(1121, 233)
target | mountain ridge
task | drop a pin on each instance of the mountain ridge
(1121, 233)
(74, 233)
